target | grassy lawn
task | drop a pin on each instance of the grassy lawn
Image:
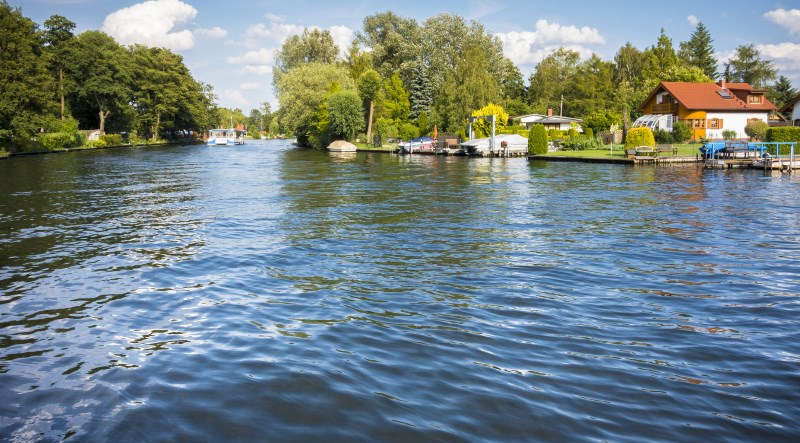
(619, 151)
(387, 148)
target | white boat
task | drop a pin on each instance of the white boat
(225, 137)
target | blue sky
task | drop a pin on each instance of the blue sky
(230, 43)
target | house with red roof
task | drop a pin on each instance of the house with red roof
(708, 108)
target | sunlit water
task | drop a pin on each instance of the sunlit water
(265, 293)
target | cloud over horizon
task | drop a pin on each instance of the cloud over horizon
(786, 19)
(160, 23)
(530, 47)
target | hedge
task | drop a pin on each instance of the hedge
(784, 134)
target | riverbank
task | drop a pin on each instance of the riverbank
(7, 154)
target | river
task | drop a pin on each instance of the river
(266, 293)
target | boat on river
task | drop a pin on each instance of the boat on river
(425, 144)
(225, 137)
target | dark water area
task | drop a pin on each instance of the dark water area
(265, 293)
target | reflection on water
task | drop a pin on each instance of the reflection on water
(268, 293)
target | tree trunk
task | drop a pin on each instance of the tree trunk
(156, 125)
(103, 116)
(369, 122)
(61, 88)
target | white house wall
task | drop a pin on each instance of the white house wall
(796, 113)
(735, 121)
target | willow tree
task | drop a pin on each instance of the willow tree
(312, 46)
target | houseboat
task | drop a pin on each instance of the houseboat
(225, 137)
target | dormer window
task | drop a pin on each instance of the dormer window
(754, 99)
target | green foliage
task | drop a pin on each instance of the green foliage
(781, 92)
(756, 130)
(346, 115)
(133, 139)
(663, 137)
(111, 139)
(783, 134)
(588, 132)
(580, 143)
(408, 131)
(386, 128)
(552, 78)
(728, 134)
(422, 123)
(395, 43)
(698, 51)
(420, 95)
(555, 134)
(25, 80)
(302, 91)
(747, 66)
(100, 143)
(369, 85)
(537, 140)
(312, 46)
(396, 105)
(60, 140)
(641, 136)
(681, 132)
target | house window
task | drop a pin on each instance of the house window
(698, 123)
(754, 99)
(715, 123)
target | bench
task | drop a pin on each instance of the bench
(645, 150)
(630, 153)
(451, 143)
(666, 149)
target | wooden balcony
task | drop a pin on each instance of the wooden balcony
(665, 108)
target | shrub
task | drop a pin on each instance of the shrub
(111, 139)
(728, 134)
(555, 134)
(96, 143)
(641, 136)
(537, 140)
(589, 132)
(580, 143)
(681, 132)
(408, 131)
(133, 139)
(784, 134)
(663, 137)
(756, 130)
(60, 140)
(385, 128)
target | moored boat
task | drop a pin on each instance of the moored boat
(225, 137)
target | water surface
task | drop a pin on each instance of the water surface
(265, 293)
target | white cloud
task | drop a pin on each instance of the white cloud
(215, 32)
(530, 47)
(235, 96)
(693, 20)
(787, 19)
(258, 69)
(262, 56)
(786, 56)
(343, 37)
(153, 23)
(274, 32)
(250, 86)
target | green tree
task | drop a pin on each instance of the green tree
(369, 87)
(312, 46)
(25, 83)
(592, 87)
(781, 92)
(628, 64)
(537, 140)
(469, 86)
(552, 78)
(659, 58)
(303, 90)
(100, 75)
(396, 104)
(357, 60)
(747, 66)
(697, 51)
(346, 115)
(420, 94)
(601, 120)
(58, 39)
(394, 41)
(756, 129)
(681, 132)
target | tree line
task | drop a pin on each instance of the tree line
(409, 76)
(56, 82)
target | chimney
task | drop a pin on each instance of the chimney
(722, 83)
(549, 112)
